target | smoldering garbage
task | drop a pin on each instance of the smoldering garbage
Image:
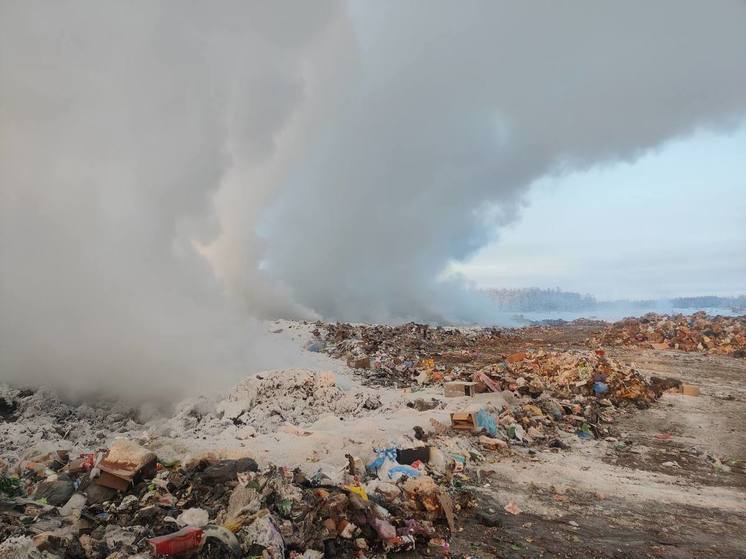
(123, 500)
(75, 496)
(547, 393)
(396, 355)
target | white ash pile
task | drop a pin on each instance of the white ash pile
(37, 419)
(33, 422)
(296, 396)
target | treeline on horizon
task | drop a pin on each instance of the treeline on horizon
(537, 299)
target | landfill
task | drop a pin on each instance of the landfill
(62, 506)
(399, 355)
(301, 463)
(722, 335)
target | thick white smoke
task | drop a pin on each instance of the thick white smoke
(319, 159)
(456, 107)
(120, 121)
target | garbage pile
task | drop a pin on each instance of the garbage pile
(547, 393)
(123, 502)
(399, 355)
(568, 374)
(699, 332)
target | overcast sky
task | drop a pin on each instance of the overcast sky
(672, 223)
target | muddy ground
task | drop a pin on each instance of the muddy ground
(673, 485)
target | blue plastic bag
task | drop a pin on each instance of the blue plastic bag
(486, 422)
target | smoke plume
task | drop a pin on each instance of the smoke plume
(168, 169)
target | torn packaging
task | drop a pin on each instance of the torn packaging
(481, 377)
(125, 463)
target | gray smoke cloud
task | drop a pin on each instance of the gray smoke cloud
(306, 159)
(455, 108)
(119, 123)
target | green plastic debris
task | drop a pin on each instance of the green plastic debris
(284, 507)
(10, 486)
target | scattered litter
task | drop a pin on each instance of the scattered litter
(195, 517)
(512, 508)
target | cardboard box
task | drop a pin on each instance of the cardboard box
(689, 390)
(113, 481)
(458, 388)
(125, 464)
(464, 420)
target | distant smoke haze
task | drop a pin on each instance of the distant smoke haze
(319, 159)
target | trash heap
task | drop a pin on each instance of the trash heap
(123, 502)
(543, 394)
(699, 332)
(569, 374)
(546, 393)
(399, 355)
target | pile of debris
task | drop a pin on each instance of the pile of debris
(398, 355)
(546, 393)
(569, 374)
(123, 501)
(542, 394)
(699, 332)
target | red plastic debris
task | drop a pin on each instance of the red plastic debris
(89, 459)
(186, 539)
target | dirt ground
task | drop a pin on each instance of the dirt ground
(672, 485)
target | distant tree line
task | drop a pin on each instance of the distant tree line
(733, 303)
(535, 299)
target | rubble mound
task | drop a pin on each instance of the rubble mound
(225, 509)
(395, 355)
(699, 332)
(296, 396)
(570, 373)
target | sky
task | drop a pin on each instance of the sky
(671, 223)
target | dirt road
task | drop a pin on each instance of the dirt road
(672, 484)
